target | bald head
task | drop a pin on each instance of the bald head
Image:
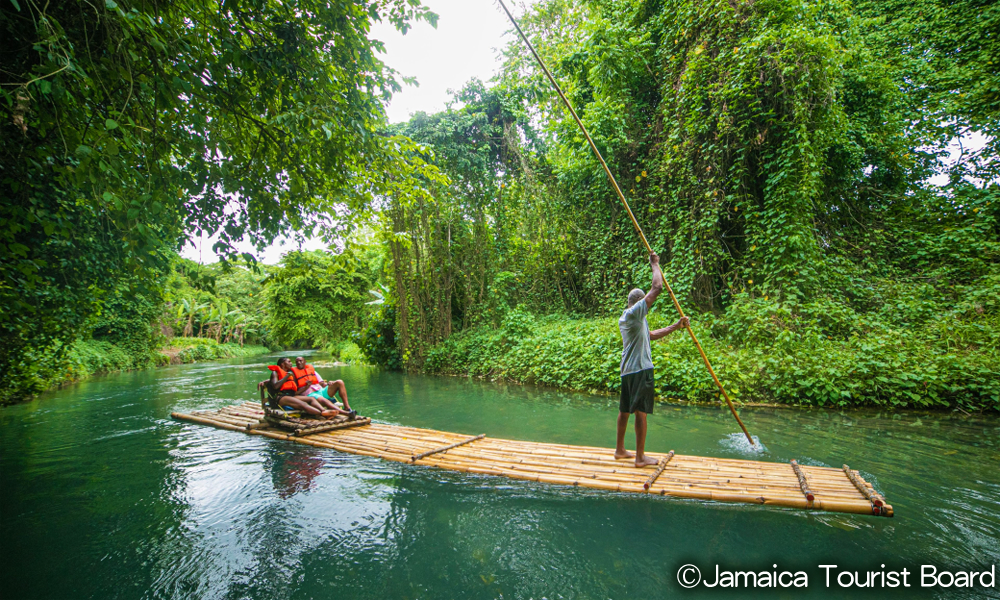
(635, 296)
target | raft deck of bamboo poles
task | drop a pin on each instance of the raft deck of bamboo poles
(719, 479)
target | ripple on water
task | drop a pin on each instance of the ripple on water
(738, 443)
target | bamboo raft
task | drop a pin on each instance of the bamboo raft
(718, 479)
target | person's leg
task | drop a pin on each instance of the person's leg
(624, 401)
(620, 451)
(300, 403)
(641, 460)
(323, 400)
(338, 387)
(317, 407)
(317, 403)
(326, 405)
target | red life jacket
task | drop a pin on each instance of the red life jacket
(288, 385)
(304, 377)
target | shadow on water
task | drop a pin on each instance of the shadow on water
(102, 495)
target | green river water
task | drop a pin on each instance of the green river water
(103, 495)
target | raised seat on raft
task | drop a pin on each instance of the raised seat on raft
(298, 424)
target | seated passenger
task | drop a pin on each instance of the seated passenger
(285, 393)
(311, 383)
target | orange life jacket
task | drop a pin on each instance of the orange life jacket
(304, 377)
(288, 385)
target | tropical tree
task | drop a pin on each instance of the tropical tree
(187, 311)
(132, 124)
(315, 298)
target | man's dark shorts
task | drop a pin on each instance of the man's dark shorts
(637, 392)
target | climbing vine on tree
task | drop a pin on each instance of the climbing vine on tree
(777, 155)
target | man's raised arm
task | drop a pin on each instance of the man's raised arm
(657, 286)
(662, 333)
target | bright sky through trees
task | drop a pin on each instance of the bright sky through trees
(464, 45)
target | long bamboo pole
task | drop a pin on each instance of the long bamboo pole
(628, 209)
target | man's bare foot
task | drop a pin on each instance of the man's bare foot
(330, 413)
(623, 454)
(645, 461)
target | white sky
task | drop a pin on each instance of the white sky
(970, 142)
(466, 44)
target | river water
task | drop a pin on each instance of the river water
(103, 495)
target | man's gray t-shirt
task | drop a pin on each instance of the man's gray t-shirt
(636, 355)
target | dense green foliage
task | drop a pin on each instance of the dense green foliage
(314, 298)
(130, 125)
(309, 300)
(123, 333)
(89, 357)
(762, 352)
(943, 58)
(378, 339)
(223, 310)
(190, 350)
(135, 328)
(776, 154)
(223, 302)
(459, 255)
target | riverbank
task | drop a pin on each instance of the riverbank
(189, 350)
(787, 366)
(87, 358)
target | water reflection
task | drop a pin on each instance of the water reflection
(294, 472)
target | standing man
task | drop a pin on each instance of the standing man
(637, 364)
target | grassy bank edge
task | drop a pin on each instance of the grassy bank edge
(88, 358)
(882, 369)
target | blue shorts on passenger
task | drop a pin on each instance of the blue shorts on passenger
(324, 394)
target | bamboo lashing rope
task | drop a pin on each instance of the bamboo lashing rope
(417, 457)
(874, 497)
(802, 481)
(628, 209)
(659, 469)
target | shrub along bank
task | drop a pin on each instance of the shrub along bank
(762, 351)
(189, 350)
(94, 357)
